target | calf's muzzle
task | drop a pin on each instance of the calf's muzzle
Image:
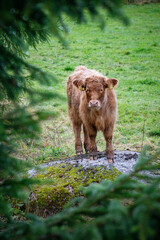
(94, 104)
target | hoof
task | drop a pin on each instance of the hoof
(93, 157)
(79, 153)
(110, 161)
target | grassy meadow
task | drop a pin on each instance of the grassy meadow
(129, 53)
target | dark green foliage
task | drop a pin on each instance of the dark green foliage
(123, 209)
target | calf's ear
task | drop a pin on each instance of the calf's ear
(111, 83)
(79, 84)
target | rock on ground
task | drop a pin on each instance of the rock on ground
(124, 162)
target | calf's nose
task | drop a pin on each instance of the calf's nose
(93, 103)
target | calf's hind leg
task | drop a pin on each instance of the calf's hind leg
(92, 132)
(77, 133)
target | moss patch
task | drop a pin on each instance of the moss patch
(67, 180)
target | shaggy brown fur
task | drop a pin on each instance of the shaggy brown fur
(92, 102)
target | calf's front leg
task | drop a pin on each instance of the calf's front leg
(86, 139)
(108, 134)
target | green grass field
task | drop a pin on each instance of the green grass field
(129, 53)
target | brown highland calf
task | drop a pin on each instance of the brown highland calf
(92, 102)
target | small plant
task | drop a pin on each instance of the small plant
(57, 151)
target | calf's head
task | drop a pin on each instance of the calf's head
(94, 88)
